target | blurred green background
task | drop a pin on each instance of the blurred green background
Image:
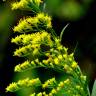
(81, 15)
(68, 9)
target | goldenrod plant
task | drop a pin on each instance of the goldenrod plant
(42, 48)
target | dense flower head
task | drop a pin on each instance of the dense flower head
(23, 83)
(24, 66)
(32, 43)
(49, 83)
(41, 22)
(24, 51)
(26, 4)
(58, 59)
(34, 39)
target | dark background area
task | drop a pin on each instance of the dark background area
(81, 32)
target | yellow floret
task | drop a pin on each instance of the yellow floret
(56, 61)
(60, 57)
(67, 81)
(74, 64)
(53, 91)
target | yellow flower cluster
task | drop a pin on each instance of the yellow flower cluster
(49, 82)
(74, 64)
(44, 18)
(44, 50)
(33, 94)
(58, 59)
(39, 94)
(41, 22)
(61, 60)
(78, 87)
(23, 83)
(34, 38)
(24, 66)
(63, 85)
(83, 79)
(13, 86)
(53, 61)
(27, 65)
(53, 92)
(24, 51)
(32, 42)
(26, 4)
(60, 86)
(68, 69)
(18, 39)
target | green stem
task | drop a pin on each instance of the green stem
(61, 34)
(88, 92)
(54, 35)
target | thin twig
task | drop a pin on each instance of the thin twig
(63, 31)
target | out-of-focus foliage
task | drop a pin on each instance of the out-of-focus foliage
(6, 19)
(68, 9)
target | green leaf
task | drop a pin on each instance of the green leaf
(94, 89)
(61, 34)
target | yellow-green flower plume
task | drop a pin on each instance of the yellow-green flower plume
(38, 23)
(23, 83)
(31, 5)
(32, 43)
(43, 48)
(35, 39)
(49, 83)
